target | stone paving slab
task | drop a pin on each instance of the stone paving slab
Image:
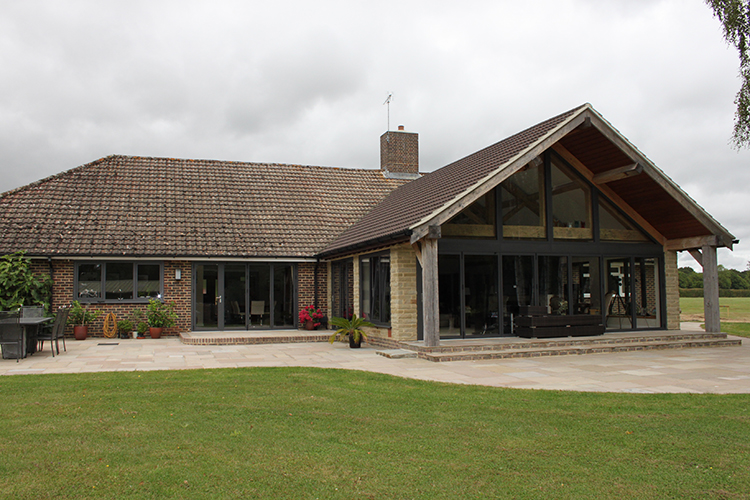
(700, 370)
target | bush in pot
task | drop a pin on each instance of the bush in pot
(80, 318)
(125, 328)
(160, 315)
(351, 327)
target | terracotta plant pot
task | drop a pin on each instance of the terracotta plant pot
(80, 332)
(155, 332)
(309, 325)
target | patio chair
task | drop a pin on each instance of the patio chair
(55, 332)
(11, 335)
(257, 308)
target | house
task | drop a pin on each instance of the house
(566, 219)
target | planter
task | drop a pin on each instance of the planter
(309, 325)
(155, 332)
(355, 344)
(80, 332)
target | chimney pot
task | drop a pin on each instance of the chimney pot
(401, 127)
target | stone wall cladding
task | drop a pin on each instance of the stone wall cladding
(399, 152)
(178, 291)
(306, 286)
(673, 290)
(403, 293)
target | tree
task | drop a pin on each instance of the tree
(735, 19)
(18, 285)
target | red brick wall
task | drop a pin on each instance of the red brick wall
(177, 291)
(306, 285)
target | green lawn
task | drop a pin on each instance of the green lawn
(735, 309)
(311, 433)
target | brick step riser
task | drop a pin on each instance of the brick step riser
(576, 351)
(251, 341)
(562, 343)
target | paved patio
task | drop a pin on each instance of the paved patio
(712, 370)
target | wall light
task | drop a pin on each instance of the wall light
(178, 274)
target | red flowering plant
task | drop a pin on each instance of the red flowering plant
(310, 313)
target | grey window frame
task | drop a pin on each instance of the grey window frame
(103, 279)
(376, 287)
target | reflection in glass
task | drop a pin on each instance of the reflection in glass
(149, 280)
(449, 282)
(523, 203)
(571, 204)
(586, 290)
(617, 304)
(259, 287)
(553, 284)
(89, 281)
(480, 295)
(283, 299)
(119, 281)
(234, 295)
(646, 280)
(613, 226)
(475, 221)
(518, 279)
(206, 294)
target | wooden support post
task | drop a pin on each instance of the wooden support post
(430, 298)
(711, 289)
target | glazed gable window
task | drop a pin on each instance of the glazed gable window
(375, 288)
(117, 281)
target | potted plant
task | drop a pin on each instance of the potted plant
(125, 328)
(141, 330)
(352, 328)
(310, 317)
(160, 316)
(80, 319)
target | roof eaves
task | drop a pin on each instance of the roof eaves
(672, 189)
(472, 193)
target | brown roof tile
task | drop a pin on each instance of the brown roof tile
(407, 205)
(139, 206)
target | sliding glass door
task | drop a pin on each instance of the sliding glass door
(234, 296)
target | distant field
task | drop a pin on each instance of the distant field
(733, 309)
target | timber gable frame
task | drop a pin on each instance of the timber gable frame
(626, 176)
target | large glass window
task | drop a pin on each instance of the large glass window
(646, 280)
(375, 288)
(449, 282)
(259, 287)
(518, 287)
(553, 284)
(480, 295)
(283, 296)
(586, 286)
(475, 221)
(342, 294)
(613, 226)
(118, 281)
(523, 204)
(617, 299)
(571, 204)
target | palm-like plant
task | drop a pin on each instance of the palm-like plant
(352, 327)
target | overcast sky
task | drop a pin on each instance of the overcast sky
(305, 81)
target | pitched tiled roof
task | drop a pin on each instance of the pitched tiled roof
(137, 206)
(409, 204)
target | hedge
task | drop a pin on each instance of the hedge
(698, 292)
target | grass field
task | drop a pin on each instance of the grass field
(733, 309)
(311, 433)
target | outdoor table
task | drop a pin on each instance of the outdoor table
(30, 328)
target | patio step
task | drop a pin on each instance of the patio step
(565, 350)
(397, 353)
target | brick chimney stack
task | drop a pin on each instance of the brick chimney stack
(399, 154)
